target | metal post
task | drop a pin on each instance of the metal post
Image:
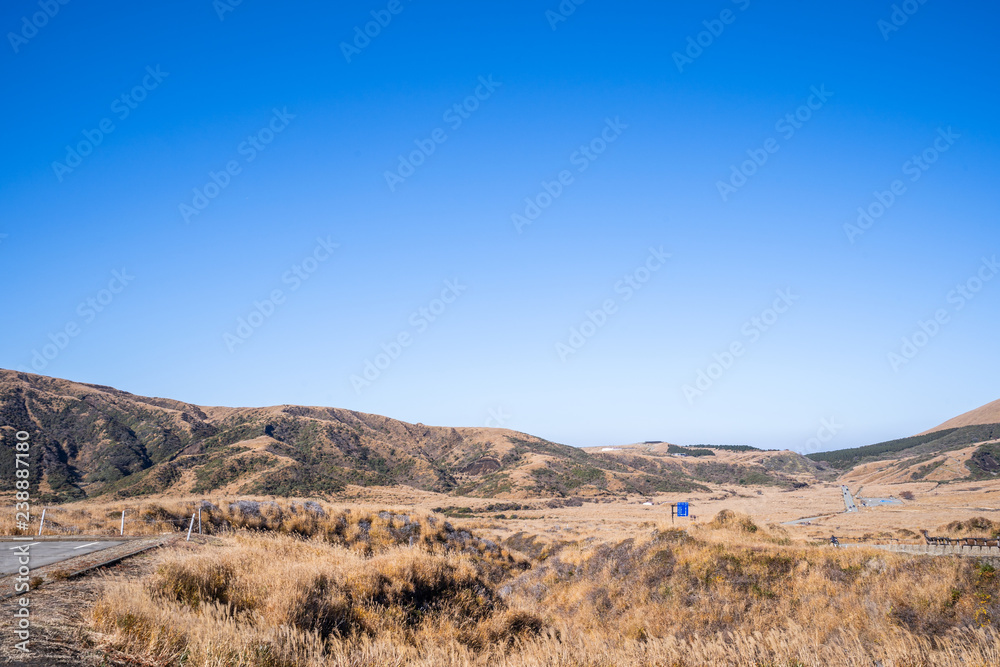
(122, 531)
(42, 523)
(190, 526)
(673, 510)
(199, 521)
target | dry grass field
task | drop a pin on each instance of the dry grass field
(383, 579)
(923, 506)
(932, 506)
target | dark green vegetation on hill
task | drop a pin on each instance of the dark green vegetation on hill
(927, 444)
(985, 462)
(733, 448)
(90, 440)
(689, 451)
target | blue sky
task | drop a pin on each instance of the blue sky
(266, 150)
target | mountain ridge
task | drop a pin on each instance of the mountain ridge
(985, 414)
(95, 440)
(91, 439)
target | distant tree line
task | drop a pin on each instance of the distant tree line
(689, 451)
(734, 448)
(938, 441)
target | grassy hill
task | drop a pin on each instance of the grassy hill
(987, 414)
(716, 464)
(919, 456)
(90, 440)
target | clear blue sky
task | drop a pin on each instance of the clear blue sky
(633, 139)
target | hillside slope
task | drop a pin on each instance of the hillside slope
(964, 448)
(92, 440)
(969, 452)
(720, 465)
(987, 414)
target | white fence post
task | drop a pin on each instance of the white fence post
(190, 526)
(122, 531)
(42, 523)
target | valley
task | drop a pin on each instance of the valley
(372, 541)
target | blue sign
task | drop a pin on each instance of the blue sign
(682, 509)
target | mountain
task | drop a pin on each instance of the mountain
(964, 448)
(721, 464)
(987, 414)
(90, 440)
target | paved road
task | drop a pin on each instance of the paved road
(808, 519)
(46, 553)
(848, 499)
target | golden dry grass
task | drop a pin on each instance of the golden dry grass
(352, 591)
(931, 507)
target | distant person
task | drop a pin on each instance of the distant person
(834, 541)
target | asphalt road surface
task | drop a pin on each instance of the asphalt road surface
(849, 499)
(46, 553)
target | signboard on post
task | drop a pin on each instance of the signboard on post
(682, 509)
